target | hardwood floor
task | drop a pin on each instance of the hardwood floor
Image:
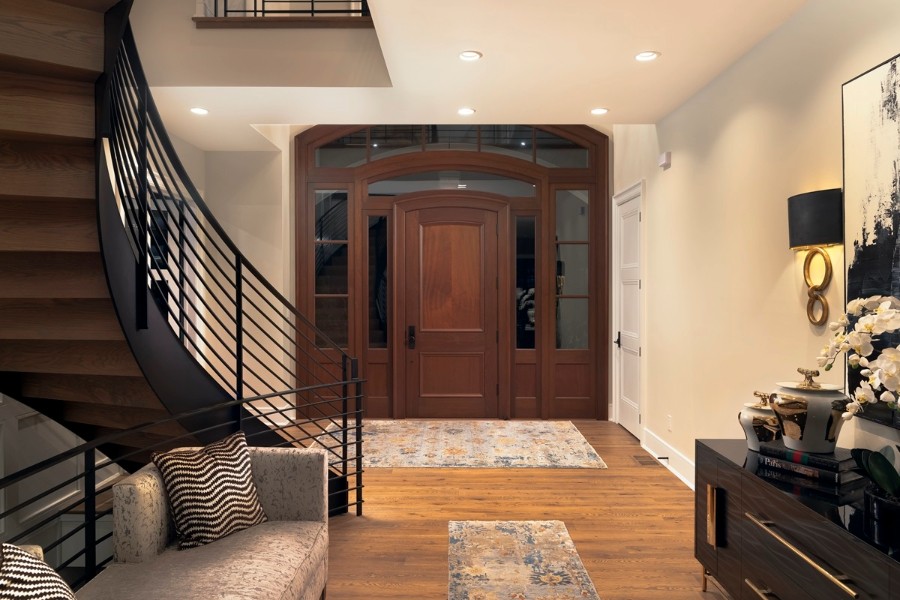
(633, 525)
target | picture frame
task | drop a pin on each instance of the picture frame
(871, 151)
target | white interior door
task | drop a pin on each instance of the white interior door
(627, 309)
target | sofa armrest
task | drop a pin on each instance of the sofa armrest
(141, 523)
(292, 483)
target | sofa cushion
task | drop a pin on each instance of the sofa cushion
(23, 575)
(211, 490)
(277, 560)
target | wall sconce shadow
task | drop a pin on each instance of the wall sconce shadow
(815, 221)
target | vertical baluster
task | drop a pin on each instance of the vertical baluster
(358, 385)
(90, 514)
(143, 266)
(345, 390)
(182, 301)
(239, 326)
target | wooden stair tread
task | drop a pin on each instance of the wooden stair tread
(95, 5)
(48, 225)
(33, 169)
(145, 440)
(50, 38)
(46, 108)
(52, 275)
(68, 357)
(132, 392)
(58, 319)
(123, 418)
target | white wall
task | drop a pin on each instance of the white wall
(244, 192)
(725, 298)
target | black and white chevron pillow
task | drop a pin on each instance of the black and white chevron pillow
(211, 490)
(25, 576)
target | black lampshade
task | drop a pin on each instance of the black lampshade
(816, 218)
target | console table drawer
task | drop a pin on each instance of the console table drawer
(807, 550)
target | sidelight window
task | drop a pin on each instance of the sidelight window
(572, 268)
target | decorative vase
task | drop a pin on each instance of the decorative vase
(882, 516)
(809, 413)
(759, 421)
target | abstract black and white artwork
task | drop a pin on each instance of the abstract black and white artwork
(871, 118)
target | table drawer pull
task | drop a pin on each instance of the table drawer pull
(835, 579)
(711, 514)
(763, 593)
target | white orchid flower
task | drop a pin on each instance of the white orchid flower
(861, 343)
(853, 360)
(851, 409)
(863, 394)
(887, 397)
(855, 306)
(863, 362)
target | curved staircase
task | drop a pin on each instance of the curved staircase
(62, 350)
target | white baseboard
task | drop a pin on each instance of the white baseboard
(676, 462)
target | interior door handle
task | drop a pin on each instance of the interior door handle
(411, 337)
(618, 341)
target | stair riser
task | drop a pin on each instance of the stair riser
(63, 38)
(39, 170)
(68, 357)
(129, 392)
(57, 319)
(28, 225)
(52, 275)
(46, 109)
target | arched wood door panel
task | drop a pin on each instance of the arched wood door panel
(450, 251)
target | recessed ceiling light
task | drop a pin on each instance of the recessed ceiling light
(466, 111)
(646, 56)
(470, 55)
(599, 111)
(461, 186)
(197, 110)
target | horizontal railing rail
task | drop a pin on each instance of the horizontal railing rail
(289, 8)
(82, 561)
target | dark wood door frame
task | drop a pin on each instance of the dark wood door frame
(452, 199)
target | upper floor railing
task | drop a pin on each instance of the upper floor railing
(286, 8)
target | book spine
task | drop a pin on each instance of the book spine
(801, 458)
(799, 469)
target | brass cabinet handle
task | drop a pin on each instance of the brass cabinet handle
(767, 527)
(762, 593)
(711, 514)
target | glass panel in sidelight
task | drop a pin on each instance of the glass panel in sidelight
(572, 222)
(331, 215)
(378, 282)
(572, 269)
(331, 268)
(331, 318)
(572, 323)
(525, 286)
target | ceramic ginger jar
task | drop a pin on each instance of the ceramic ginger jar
(809, 413)
(759, 421)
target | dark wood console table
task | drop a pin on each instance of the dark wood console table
(758, 540)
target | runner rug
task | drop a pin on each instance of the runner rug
(476, 444)
(519, 560)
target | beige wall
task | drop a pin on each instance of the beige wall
(724, 297)
(243, 191)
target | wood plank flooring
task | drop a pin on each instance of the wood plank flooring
(633, 525)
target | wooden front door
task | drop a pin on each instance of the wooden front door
(449, 256)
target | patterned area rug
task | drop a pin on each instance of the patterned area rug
(515, 560)
(476, 444)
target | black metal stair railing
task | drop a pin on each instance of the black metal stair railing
(291, 8)
(248, 337)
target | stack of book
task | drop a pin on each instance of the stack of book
(826, 476)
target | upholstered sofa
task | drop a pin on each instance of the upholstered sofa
(283, 558)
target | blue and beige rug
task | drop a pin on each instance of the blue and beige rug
(476, 444)
(515, 560)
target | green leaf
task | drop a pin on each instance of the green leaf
(883, 473)
(861, 456)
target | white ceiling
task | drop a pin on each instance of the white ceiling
(545, 61)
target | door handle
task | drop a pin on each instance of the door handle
(618, 341)
(411, 337)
